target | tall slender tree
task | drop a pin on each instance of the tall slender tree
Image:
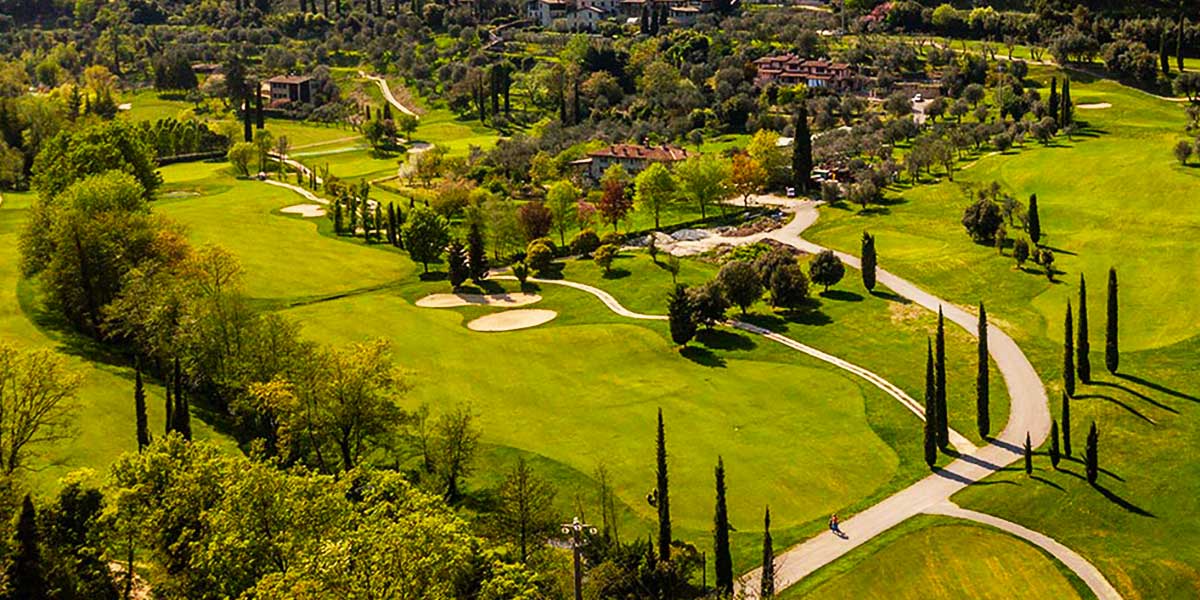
(476, 253)
(802, 161)
(982, 383)
(139, 407)
(1068, 354)
(170, 409)
(25, 572)
(722, 561)
(1055, 457)
(1053, 100)
(767, 580)
(181, 414)
(939, 372)
(1028, 455)
(868, 261)
(1112, 355)
(1066, 425)
(662, 494)
(1034, 222)
(1066, 110)
(1091, 457)
(931, 418)
(1083, 347)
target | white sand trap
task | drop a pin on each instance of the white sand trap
(307, 211)
(456, 300)
(510, 320)
(1094, 106)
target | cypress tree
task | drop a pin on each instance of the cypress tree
(982, 384)
(1068, 355)
(247, 127)
(1034, 223)
(391, 224)
(378, 223)
(1066, 425)
(26, 578)
(1054, 454)
(338, 224)
(662, 499)
(1053, 101)
(931, 416)
(939, 367)
(183, 417)
(802, 161)
(767, 581)
(722, 561)
(139, 407)
(476, 253)
(1091, 459)
(1066, 110)
(170, 409)
(1112, 355)
(868, 261)
(259, 122)
(1028, 455)
(1083, 347)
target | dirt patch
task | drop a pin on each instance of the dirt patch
(457, 300)
(307, 211)
(511, 320)
(902, 313)
(1094, 106)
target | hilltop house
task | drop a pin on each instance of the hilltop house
(789, 69)
(585, 15)
(634, 158)
(286, 89)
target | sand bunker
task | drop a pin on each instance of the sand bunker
(456, 300)
(510, 320)
(1093, 106)
(307, 211)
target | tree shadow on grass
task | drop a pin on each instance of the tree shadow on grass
(874, 211)
(433, 276)
(1158, 387)
(811, 317)
(1122, 502)
(1059, 251)
(890, 296)
(1041, 479)
(967, 458)
(1135, 412)
(722, 339)
(702, 356)
(842, 295)
(952, 476)
(1136, 393)
(772, 322)
(617, 273)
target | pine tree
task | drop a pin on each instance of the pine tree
(456, 264)
(767, 580)
(1034, 222)
(802, 161)
(183, 417)
(1066, 425)
(139, 407)
(1055, 457)
(1083, 347)
(1028, 455)
(931, 416)
(1112, 355)
(1091, 460)
(868, 261)
(722, 561)
(1065, 108)
(476, 253)
(982, 384)
(25, 572)
(662, 495)
(1053, 101)
(1068, 354)
(939, 366)
(681, 315)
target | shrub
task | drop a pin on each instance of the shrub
(539, 256)
(982, 219)
(741, 283)
(612, 238)
(708, 303)
(585, 242)
(826, 269)
(1183, 151)
(543, 240)
(788, 286)
(605, 255)
(521, 271)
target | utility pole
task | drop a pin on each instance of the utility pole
(578, 530)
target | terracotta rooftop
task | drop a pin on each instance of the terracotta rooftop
(289, 79)
(655, 153)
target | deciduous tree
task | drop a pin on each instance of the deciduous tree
(826, 269)
(654, 190)
(525, 514)
(37, 401)
(425, 235)
(704, 180)
(741, 283)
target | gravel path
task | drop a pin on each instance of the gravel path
(387, 93)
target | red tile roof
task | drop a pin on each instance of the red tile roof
(653, 153)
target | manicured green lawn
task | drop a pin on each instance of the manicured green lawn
(1112, 197)
(942, 559)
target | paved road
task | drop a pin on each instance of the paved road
(387, 93)
(1084, 569)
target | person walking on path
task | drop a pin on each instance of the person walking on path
(833, 524)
